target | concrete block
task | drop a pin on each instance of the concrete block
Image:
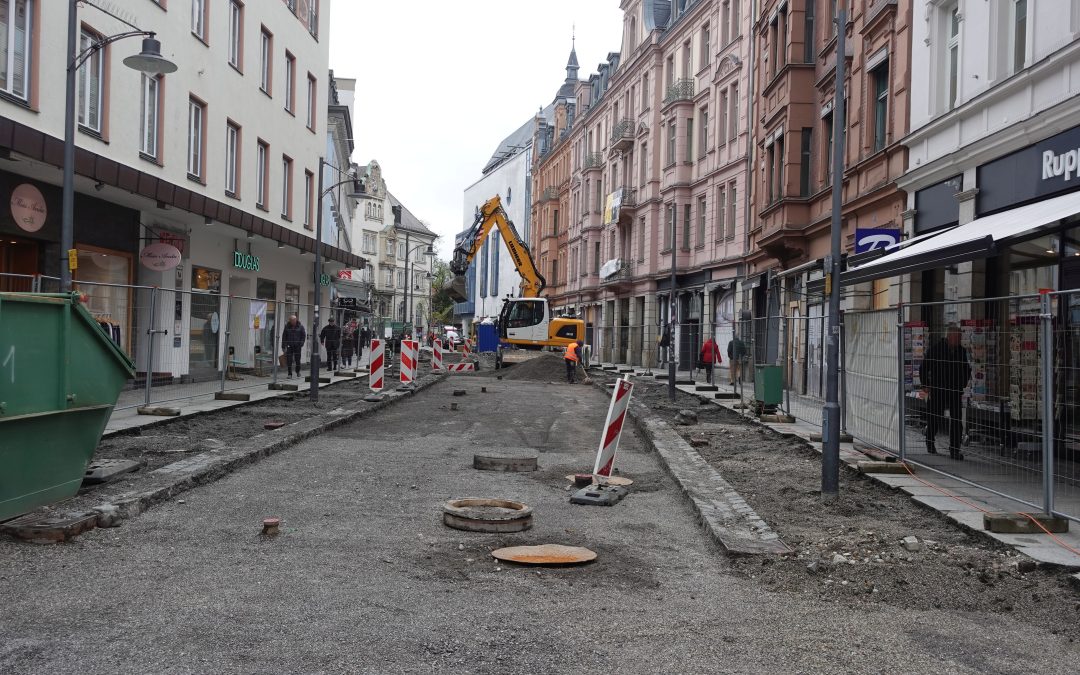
(778, 419)
(866, 466)
(102, 470)
(283, 387)
(231, 396)
(159, 411)
(706, 387)
(1018, 523)
(322, 379)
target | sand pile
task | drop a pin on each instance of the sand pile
(545, 367)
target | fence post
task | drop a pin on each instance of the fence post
(843, 375)
(901, 390)
(35, 284)
(225, 349)
(1046, 362)
(150, 333)
(274, 342)
(784, 357)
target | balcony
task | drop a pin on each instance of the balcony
(681, 90)
(615, 272)
(592, 160)
(629, 197)
(622, 135)
(549, 194)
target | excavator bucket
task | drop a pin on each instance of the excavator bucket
(457, 290)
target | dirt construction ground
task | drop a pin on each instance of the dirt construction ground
(365, 577)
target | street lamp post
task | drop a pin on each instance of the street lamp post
(406, 311)
(149, 60)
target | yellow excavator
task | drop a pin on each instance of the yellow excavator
(524, 321)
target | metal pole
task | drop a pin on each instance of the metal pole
(274, 342)
(405, 309)
(672, 315)
(314, 395)
(1046, 360)
(785, 358)
(150, 344)
(830, 454)
(67, 225)
(225, 352)
(901, 388)
(843, 376)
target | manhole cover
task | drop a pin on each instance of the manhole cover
(545, 554)
(612, 480)
(487, 515)
(504, 461)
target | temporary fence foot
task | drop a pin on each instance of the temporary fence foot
(159, 411)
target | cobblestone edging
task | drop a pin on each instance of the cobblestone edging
(723, 513)
(179, 477)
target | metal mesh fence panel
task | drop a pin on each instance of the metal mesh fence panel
(870, 369)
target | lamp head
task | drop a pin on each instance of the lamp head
(150, 60)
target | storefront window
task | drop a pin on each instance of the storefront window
(205, 320)
(1033, 265)
(104, 277)
(266, 289)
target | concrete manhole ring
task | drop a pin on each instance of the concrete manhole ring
(487, 515)
(545, 554)
(510, 462)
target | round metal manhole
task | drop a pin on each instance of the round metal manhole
(620, 481)
(545, 554)
(487, 515)
(510, 462)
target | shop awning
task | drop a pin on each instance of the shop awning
(980, 238)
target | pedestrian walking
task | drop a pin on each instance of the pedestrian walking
(710, 354)
(945, 372)
(348, 344)
(570, 358)
(292, 342)
(736, 352)
(330, 338)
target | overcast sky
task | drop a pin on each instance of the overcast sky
(440, 83)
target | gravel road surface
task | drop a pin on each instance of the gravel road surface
(365, 578)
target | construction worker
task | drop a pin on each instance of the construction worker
(570, 358)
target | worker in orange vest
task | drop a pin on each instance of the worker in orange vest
(570, 358)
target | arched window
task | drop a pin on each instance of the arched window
(509, 194)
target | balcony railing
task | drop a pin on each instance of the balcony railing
(622, 134)
(593, 160)
(622, 274)
(549, 194)
(681, 90)
(629, 197)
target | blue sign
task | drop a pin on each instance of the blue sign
(875, 239)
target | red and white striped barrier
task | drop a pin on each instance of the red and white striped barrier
(460, 367)
(466, 348)
(375, 365)
(616, 416)
(407, 359)
(436, 356)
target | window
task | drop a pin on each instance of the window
(701, 221)
(770, 177)
(725, 23)
(781, 159)
(808, 33)
(312, 104)
(495, 248)
(149, 114)
(236, 34)
(806, 144)
(401, 249)
(290, 82)
(880, 77)
(731, 211)
(15, 47)
(555, 223)
(781, 38)
(91, 82)
(736, 22)
(827, 123)
(309, 197)
(703, 133)
(1018, 22)
(401, 278)
(232, 159)
(644, 169)
(262, 173)
(733, 118)
(952, 55)
(722, 122)
(671, 143)
(371, 243)
(688, 61)
(554, 272)
(196, 139)
(686, 228)
(313, 17)
(645, 91)
(669, 71)
(199, 19)
(388, 279)
(721, 204)
(706, 46)
(689, 139)
(266, 56)
(596, 258)
(286, 187)
(390, 248)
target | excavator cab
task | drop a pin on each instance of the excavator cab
(527, 322)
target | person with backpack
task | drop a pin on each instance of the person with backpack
(710, 354)
(348, 344)
(330, 338)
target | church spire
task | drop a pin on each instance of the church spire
(572, 63)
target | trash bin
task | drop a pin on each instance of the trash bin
(60, 377)
(768, 385)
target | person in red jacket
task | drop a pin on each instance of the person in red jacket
(710, 354)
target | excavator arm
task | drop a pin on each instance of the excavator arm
(491, 214)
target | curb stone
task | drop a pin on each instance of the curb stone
(190, 472)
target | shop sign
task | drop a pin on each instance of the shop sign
(173, 240)
(28, 207)
(246, 261)
(1049, 167)
(873, 239)
(324, 280)
(160, 256)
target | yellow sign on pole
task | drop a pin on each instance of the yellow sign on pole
(73, 259)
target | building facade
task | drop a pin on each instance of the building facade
(217, 160)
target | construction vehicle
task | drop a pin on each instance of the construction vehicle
(524, 321)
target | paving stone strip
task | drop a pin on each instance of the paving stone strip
(725, 515)
(44, 526)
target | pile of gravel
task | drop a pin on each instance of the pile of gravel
(544, 367)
